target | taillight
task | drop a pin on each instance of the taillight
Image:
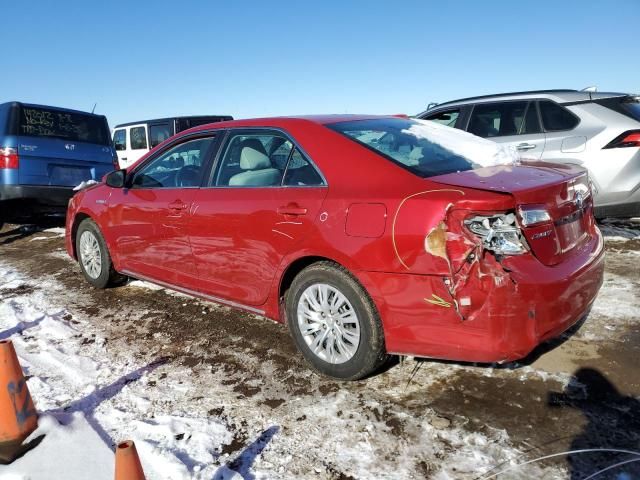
(530, 216)
(630, 138)
(499, 233)
(9, 158)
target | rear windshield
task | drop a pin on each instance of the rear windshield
(423, 147)
(72, 126)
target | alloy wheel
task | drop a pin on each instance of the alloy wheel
(90, 254)
(328, 323)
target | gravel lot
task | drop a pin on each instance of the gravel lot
(418, 419)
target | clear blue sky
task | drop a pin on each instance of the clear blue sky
(143, 59)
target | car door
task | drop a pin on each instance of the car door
(120, 146)
(564, 144)
(263, 197)
(149, 218)
(137, 145)
(512, 123)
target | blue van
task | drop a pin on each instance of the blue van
(44, 153)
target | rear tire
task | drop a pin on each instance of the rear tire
(94, 258)
(334, 323)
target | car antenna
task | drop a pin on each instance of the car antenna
(590, 90)
(94, 107)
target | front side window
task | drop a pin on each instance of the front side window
(158, 134)
(447, 117)
(556, 118)
(120, 139)
(497, 119)
(138, 136)
(254, 160)
(179, 167)
(424, 148)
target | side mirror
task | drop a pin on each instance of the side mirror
(116, 179)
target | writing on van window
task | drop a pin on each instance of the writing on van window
(42, 122)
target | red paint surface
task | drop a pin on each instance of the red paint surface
(236, 244)
(366, 220)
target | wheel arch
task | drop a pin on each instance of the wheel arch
(77, 220)
(300, 263)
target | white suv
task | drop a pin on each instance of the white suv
(132, 140)
(599, 131)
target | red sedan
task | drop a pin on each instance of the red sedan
(369, 236)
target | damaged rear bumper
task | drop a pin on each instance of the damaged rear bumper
(505, 310)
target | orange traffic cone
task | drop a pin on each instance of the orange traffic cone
(127, 462)
(18, 417)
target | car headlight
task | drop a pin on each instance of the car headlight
(499, 233)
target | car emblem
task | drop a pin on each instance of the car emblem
(579, 200)
(69, 146)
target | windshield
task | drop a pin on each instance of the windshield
(425, 148)
(72, 126)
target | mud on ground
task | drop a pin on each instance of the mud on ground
(418, 419)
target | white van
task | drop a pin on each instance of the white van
(132, 140)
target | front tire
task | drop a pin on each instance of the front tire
(93, 256)
(334, 323)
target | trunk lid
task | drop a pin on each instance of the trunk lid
(59, 162)
(563, 191)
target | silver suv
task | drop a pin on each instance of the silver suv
(599, 131)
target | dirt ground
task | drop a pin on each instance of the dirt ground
(419, 418)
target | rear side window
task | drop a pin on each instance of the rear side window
(497, 119)
(120, 140)
(556, 118)
(632, 106)
(138, 138)
(300, 172)
(159, 133)
(72, 126)
(254, 160)
(447, 117)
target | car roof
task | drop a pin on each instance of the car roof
(50, 107)
(283, 122)
(557, 95)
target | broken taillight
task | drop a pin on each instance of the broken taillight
(499, 233)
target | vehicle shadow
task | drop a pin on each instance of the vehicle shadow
(20, 327)
(545, 347)
(242, 464)
(613, 423)
(19, 233)
(534, 355)
(88, 404)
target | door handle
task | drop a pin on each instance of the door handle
(178, 205)
(292, 209)
(525, 146)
